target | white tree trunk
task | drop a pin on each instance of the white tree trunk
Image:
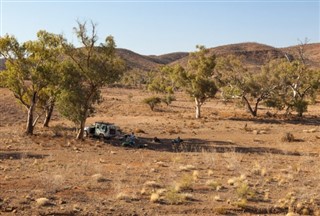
(198, 106)
(81, 130)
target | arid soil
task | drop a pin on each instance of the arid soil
(229, 163)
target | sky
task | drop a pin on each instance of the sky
(155, 27)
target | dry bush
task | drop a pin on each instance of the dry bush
(213, 184)
(195, 175)
(126, 197)
(152, 184)
(244, 191)
(288, 137)
(185, 183)
(173, 197)
(155, 197)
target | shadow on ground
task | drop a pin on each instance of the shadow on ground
(218, 146)
(20, 155)
(308, 120)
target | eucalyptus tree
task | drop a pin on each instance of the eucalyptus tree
(296, 87)
(92, 66)
(196, 79)
(236, 81)
(30, 68)
(165, 82)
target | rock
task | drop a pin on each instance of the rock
(99, 178)
(43, 202)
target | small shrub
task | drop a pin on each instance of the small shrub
(185, 183)
(213, 184)
(195, 175)
(152, 101)
(155, 197)
(125, 197)
(244, 191)
(288, 137)
(152, 184)
(242, 203)
(173, 197)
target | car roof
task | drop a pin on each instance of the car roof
(106, 123)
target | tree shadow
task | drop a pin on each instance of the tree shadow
(215, 146)
(308, 120)
(20, 155)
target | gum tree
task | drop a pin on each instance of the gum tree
(297, 85)
(236, 81)
(30, 67)
(90, 67)
(197, 80)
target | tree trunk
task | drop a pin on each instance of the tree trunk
(198, 108)
(49, 111)
(30, 125)
(81, 130)
(253, 112)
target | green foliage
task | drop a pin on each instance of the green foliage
(168, 99)
(92, 67)
(236, 81)
(31, 70)
(164, 81)
(197, 78)
(295, 85)
(135, 78)
(152, 101)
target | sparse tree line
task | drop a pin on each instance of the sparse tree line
(284, 84)
(50, 72)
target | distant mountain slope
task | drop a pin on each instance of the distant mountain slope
(137, 61)
(168, 58)
(143, 62)
(255, 55)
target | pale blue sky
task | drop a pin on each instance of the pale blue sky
(158, 27)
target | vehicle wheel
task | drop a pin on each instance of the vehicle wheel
(85, 134)
(101, 137)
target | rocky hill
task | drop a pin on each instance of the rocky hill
(254, 54)
(143, 62)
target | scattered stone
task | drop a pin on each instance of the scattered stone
(313, 130)
(43, 201)
(99, 178)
